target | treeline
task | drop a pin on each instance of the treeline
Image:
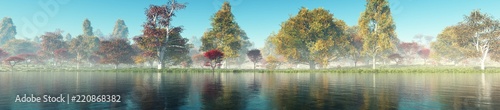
(313, 37)
(52, 48)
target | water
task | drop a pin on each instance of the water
(255, 91)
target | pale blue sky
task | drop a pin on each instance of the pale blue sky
(258, 18)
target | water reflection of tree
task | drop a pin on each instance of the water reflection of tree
(212, 90)
(462, 91)
(216, 96)
(176, 90)
(160, 91)
(254, 86)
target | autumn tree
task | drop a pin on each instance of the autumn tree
(254, 56)
(30, 58)
(215, 57)
(52, 41)
(377, 28)
(60, 55)
(157, 30)
(18, 46)
(311, 37)
(7, 30)
(397, 58)
(356, 47)
(482, 32)
(225, 34)
(272, 62)
(83, 47)
(424, 54)
(87, 28)
(448, 48)
(116, 51)
(409, 50)
(143, 56)
(120, 30)
(12, 61)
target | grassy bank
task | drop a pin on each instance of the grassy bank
(393, 69)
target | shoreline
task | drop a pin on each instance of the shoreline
(400, 69)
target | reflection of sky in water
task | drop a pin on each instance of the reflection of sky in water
(257, 91)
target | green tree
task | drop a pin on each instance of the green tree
(446, 46)
(225, 34)
(18, 46)
(482, 32)
(68, 37)
(356, 47)
(83, 47)
(377, 28)
(120, 30)
(311, 37)
(7, 30)
(180, 52)
(245, 46)
(87, 28)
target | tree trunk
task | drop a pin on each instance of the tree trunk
(213, 65)
(483, 59)
(355, 63)
(225, 64)
(253, 66)
(373, 61)
(160, 66)
(425, 61)
(312, 65)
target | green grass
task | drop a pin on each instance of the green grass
(382, 69)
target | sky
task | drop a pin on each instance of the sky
(259, 18)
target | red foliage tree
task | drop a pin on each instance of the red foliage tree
(215, 58)
(115, 52)
(157, 30)
(409, 49)
(13, 60)
(254, 56)
(30, 58)
(424, 54)
(61, 55)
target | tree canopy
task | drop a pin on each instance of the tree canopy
(87, 28)
(377, 28)
(120, 30)
(311, 37)
(225, 34)
(7, 30)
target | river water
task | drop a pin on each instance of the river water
(255, 91)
